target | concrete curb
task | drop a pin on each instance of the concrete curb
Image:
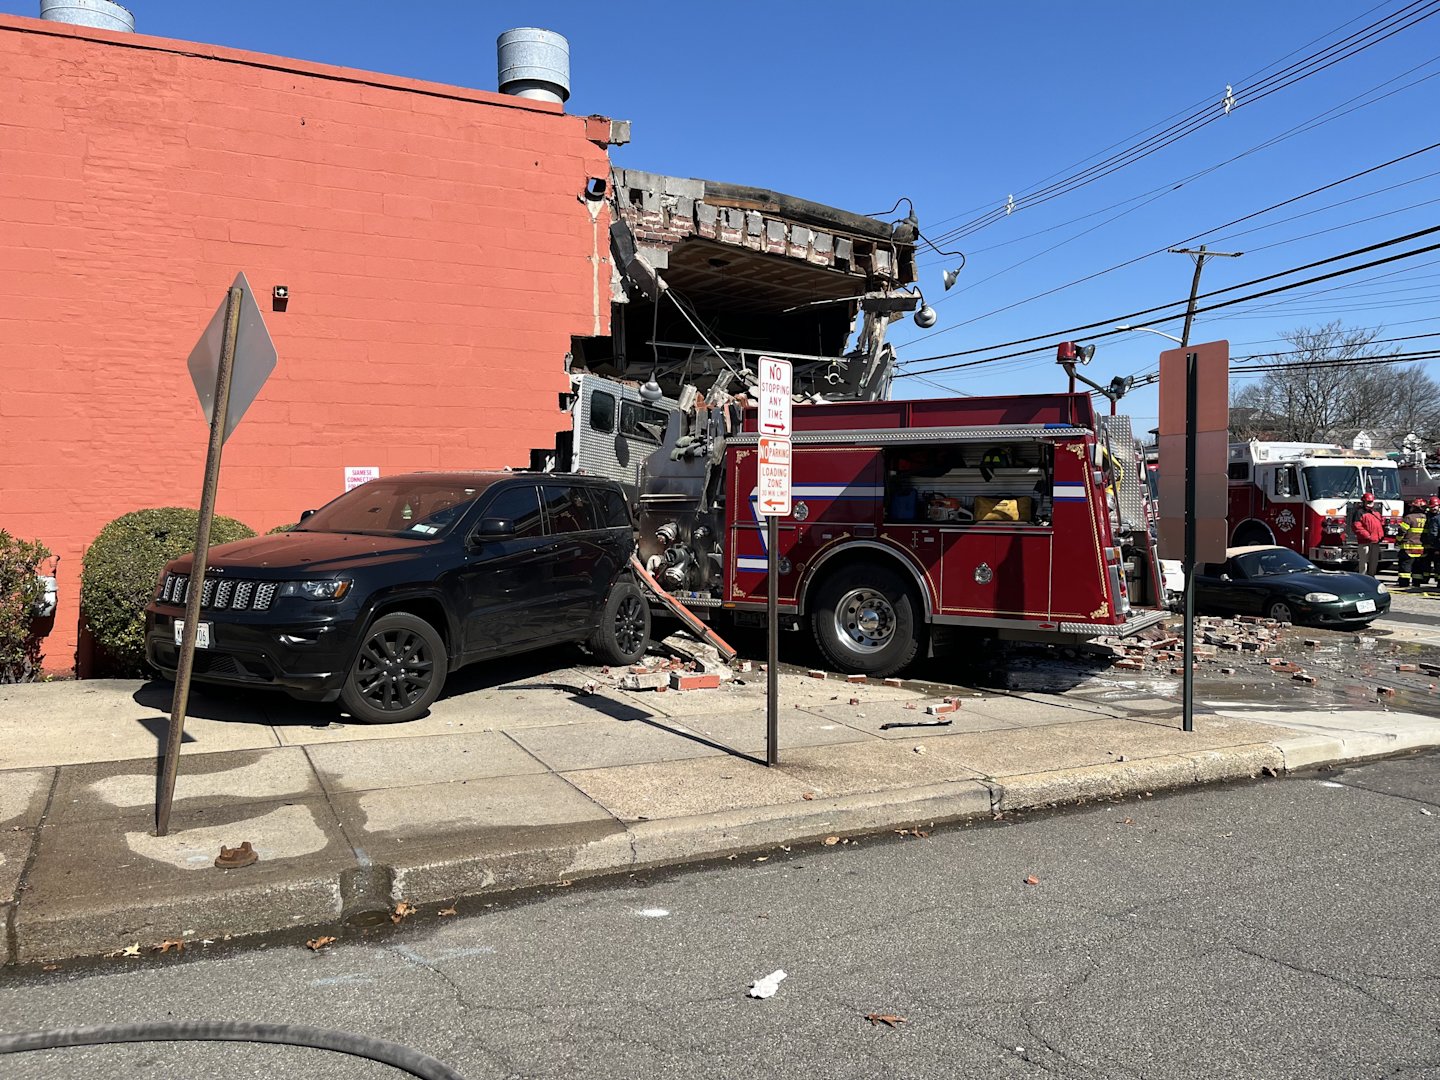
(89, 925)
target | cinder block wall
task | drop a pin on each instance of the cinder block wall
(436, 250)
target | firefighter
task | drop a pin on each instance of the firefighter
(1412, 543)
(1369, 530)
(1431, 539)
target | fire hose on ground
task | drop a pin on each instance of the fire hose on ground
(342, 1042)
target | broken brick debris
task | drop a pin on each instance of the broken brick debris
(693, 681)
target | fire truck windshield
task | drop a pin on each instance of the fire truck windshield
(1332, 481)
(1383, 483)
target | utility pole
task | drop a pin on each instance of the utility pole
(1187, 700)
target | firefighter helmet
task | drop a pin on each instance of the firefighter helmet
(1367, 498)
(997, 457)
(1418, 505)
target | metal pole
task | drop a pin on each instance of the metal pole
(1188, 692)
(186, 660)
(772, 668)
(1187, 706)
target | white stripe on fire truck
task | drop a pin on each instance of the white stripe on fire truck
(1069, 493)
(743, 563)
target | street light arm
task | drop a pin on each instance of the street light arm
(1150, 330)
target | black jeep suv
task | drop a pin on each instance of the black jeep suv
(377, 595)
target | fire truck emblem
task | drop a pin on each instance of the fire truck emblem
(983, 574)
(1285, 520)
(800, 512)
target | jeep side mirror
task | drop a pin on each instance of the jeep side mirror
(495, 528)
(306, 513)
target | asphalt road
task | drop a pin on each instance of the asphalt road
(1285, 928)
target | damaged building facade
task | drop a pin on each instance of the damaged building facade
(451, 260)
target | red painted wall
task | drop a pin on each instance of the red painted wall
(436, 250)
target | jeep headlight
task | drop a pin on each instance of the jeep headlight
(1320, 597)
(328, 589)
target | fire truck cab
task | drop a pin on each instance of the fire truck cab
(1020, 516)
(1299, 495)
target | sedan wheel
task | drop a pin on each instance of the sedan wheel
(1280, 612)
(398, 672)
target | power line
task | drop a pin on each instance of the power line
(1348, 47)
(1187, 109)
(1318, 120)
(1209, 307)
(1161, 307)
(1177, 243)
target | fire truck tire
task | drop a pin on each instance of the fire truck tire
(866, 620)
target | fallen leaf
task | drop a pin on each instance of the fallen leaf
(167, 945)
(808, 796)
(831, 841)
(763, 858)
(1127, 821)
(888, 1019)
(1032, 880)
(563, 884)
(1427, 813)
(315, 944)
(49, 967)
(447, 911)
(403, 910)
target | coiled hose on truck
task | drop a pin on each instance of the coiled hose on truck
(342, 1042)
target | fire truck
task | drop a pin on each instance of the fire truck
(1021, 517)
(1299, 495)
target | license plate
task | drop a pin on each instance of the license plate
(202, 633)
(1364, 605)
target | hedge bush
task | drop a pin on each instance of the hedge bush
(20, 591)
(120, 572)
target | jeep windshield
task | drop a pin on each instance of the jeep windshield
(417, 507)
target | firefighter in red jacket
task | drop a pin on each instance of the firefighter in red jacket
(1369, 530)
(1412, 545)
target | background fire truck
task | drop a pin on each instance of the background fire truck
(1019, 517)
(1299, 495)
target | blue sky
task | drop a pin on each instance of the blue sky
(958, 105)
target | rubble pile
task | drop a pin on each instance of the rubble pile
(1216, 638)
(679, 663)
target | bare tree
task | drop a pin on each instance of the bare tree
(1316, 388)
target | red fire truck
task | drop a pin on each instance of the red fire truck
(1299, 495)
(1023, 517)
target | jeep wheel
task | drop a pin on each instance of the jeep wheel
(398, 672)
(624, 631)
(865, 620)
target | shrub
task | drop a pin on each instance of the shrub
(20, 591)
(120, 572)
(280, 529)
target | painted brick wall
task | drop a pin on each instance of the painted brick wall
(436, 250)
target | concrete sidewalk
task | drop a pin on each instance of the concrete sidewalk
(521, 781)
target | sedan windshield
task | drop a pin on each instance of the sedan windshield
(1332, 481)
(405, 506)
(1383, 483)
(1273, 562)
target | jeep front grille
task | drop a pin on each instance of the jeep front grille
(218, 593)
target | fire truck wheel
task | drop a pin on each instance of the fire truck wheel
(624, 631)
(865, 620)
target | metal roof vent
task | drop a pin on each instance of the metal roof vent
(101, 14)
(533, 64)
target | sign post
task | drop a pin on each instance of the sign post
(773, 493)
(1194, 429)
(240, 366)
